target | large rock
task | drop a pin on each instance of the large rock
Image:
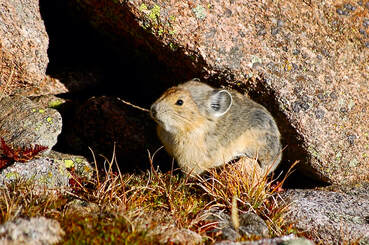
(50, 172)
(306, 61)
(250, 225)
(25, 124)
(23, 50)
(33, 231)
(333, 217)
(285, 240)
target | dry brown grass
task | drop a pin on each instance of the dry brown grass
(248, 187)
(151, 207)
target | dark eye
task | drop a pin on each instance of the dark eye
(179, 102)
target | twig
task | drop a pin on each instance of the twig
(134, 106)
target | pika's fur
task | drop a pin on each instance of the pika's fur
(203, 127)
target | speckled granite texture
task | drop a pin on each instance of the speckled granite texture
(306, 61)
(23, 50)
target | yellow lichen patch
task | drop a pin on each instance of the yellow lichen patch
(12, 175)
(55, 103)
(68, 163)
(154, 12)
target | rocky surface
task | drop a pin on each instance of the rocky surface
(50, 172)
(33, 231)
(305, 61)
(358, 190)
(169, 233)
(332, 217)
(49, 101)
(250, 225)
(286, 240)
(25, 124)
(23, 50)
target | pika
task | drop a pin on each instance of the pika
(203, 127)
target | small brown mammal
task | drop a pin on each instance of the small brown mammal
(203, 127)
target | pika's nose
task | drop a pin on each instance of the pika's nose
(153, 111)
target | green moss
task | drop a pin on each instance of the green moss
(91, 230)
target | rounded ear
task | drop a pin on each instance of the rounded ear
(220, 102)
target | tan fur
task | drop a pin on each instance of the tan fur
(201, 138)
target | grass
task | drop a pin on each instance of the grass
(245, 187)
(151, 207)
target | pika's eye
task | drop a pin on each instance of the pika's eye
(179, 102)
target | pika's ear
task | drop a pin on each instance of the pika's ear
(220, 102)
